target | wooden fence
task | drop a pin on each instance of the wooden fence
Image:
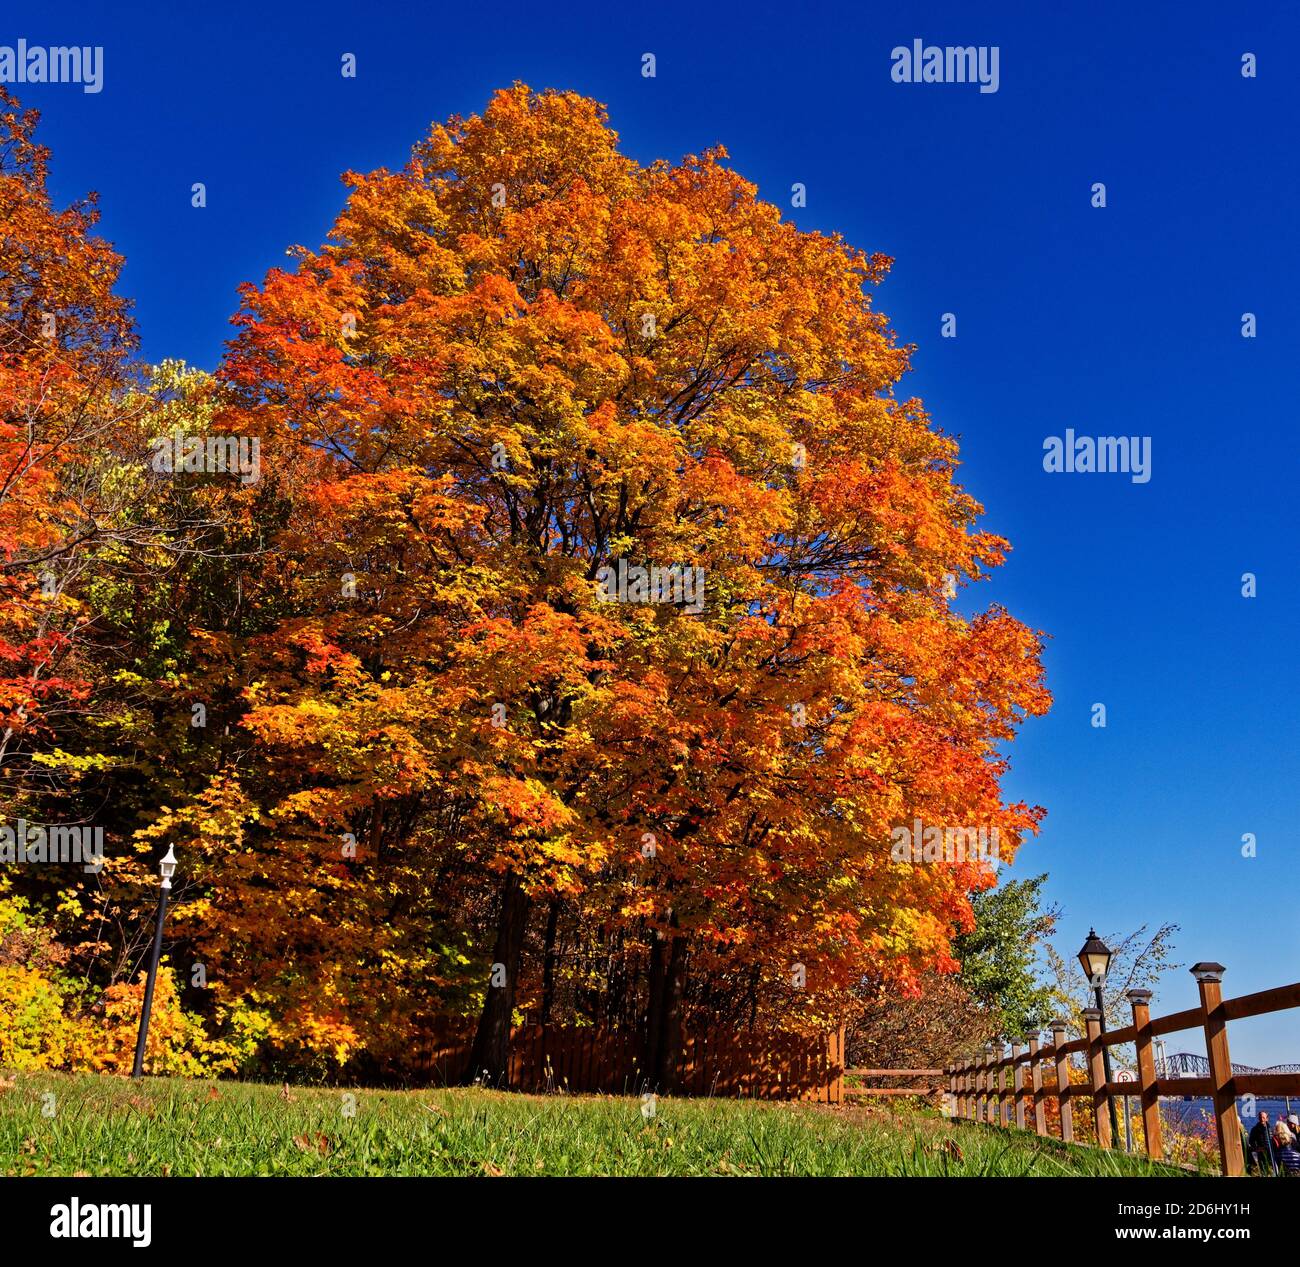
(756, 1064)
(1017, 1088)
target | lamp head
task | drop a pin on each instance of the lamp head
(1095, 958)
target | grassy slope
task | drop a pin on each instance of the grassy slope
(111, 1126)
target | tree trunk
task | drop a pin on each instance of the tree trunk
(663, 1013)
(491, 1053)
(671, 1033)
(654, 1013)
(616, 993)
(548, 962)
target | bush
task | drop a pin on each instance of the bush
(45, 1023)
(33, 1031)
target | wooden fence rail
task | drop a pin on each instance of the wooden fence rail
(934, 1081)
(999, 1089)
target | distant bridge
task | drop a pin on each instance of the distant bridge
(1185, 1064)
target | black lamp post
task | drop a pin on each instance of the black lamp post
(166, 869)
(1095, 958)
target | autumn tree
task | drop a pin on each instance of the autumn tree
(65, 342)
(523, 369)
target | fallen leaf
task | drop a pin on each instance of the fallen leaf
(949, 1146)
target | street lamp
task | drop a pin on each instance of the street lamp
(166, 869)
(1095, 958)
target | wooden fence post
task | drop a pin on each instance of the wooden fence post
(1150, 1092)
(1036, 1086)
(1018, 1086)
(1063, 1101)
(1097, 1070)
(1004, 1105)
(1209, 977)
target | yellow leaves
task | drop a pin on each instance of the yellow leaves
(74, 763)
(528, 807)
(562, 849)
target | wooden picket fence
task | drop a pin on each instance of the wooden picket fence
(756, 1064)
(1015, 1090)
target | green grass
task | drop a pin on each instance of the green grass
(160, 1126)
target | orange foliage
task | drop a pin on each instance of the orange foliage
(433, 746)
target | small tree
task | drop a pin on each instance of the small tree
(999, 957)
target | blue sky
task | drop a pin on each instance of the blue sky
(1117, 321)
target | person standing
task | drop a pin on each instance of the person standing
(1288, 1159)
(1261, 1146)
